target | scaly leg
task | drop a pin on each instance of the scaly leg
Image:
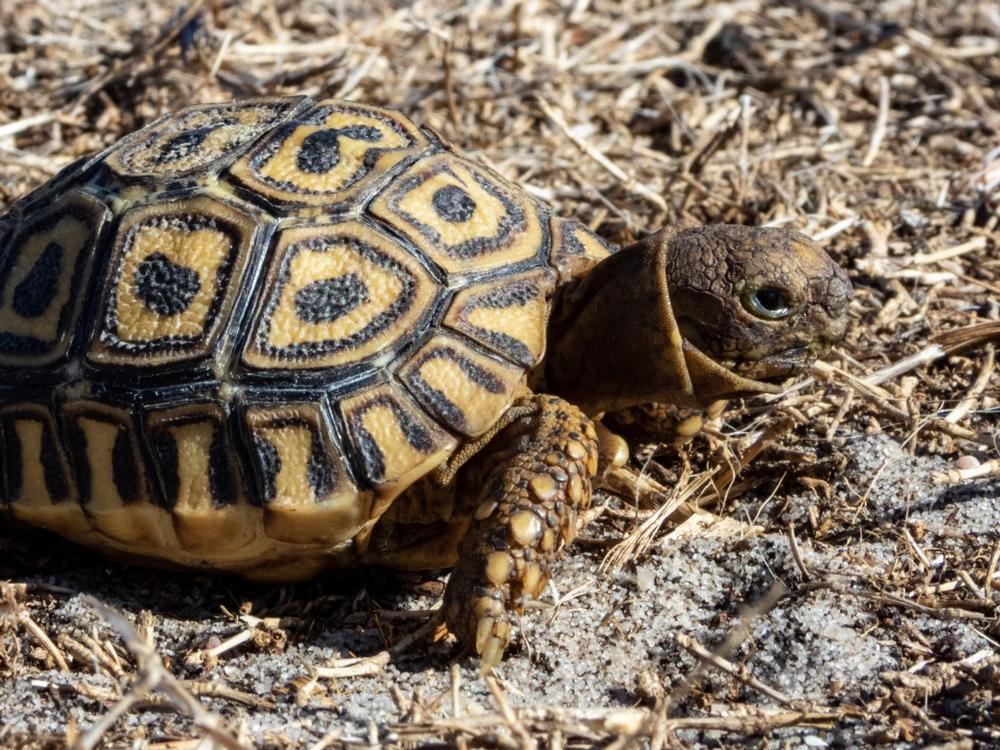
(527, 486)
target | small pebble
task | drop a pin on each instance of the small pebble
(967, 462)
(814, 741)
(645, 577)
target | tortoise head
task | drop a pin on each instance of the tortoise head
(687, 316)
(763, 303)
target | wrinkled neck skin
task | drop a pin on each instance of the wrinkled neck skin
(614, 342)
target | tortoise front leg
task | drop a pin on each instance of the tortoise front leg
(526, 487)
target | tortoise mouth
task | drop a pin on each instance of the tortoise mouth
(778, 366)
(761, 366)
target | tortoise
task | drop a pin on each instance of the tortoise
(278, 336)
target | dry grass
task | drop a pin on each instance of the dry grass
(874, 127)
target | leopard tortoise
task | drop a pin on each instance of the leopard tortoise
(277, 336)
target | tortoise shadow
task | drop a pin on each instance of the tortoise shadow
(353, 612)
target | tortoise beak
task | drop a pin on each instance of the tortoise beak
(781, 365)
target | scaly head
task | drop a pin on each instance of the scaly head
(688, 316)
(764, 303)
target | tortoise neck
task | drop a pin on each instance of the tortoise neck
(613, 340)
(607, 346)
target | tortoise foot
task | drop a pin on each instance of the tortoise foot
(538, 481)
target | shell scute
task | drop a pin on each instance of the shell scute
(393, 439)
(201, 479)
(506, 315)
(328, 155)
(460, 216)
(336, 295)
(464, 389)
(575, 249)
(43, 279)
(308, 494)
(110, 472)
(175, 273)
(38, 485)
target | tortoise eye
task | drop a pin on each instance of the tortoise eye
(768, 303)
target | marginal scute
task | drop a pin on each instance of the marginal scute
(308, 494)
(74, 174)
(394, 442)
(111, 476)
(328, 155)
(462, 388)
(575, 249)
(337, 294)
(462, 217)
(200, 478)
(44, 270)
(507, 315)
(199, 140)
(37, 477)
(176, 270)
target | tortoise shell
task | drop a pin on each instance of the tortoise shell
(234, 337)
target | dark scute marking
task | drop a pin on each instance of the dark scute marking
(453, 204)
(372, 457)
(13, 344)
(320, 473)
(571, 243)
(320, 151)
(124, 471)
(55, 477)
(77, 444)
(165, 287)
(506, 344)
(513, 295)
(362, 133)
(183, 144)
(12, 459)
(34, 294)
(220, 474)
(165, 450)
(481, 377)
(413, 431)
(270, 464)
(437, 401)
(328, 299)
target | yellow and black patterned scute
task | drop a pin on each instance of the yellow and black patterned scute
(236, 336)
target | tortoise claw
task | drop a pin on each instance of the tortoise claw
(491, 654)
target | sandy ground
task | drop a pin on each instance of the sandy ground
(846, 594)
(611, 643)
